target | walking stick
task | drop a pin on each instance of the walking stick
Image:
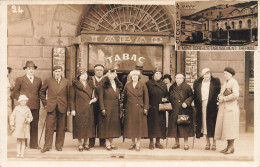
(193, 141)
(42, 131)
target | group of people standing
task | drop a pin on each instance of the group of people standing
(94, 103)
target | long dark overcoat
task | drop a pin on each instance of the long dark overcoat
(109, 125)
(212, 107)
(177, 96)
(135, 101)
(83, 121)
(156, 120)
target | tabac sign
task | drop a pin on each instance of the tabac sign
(124, 39)
(125, 57)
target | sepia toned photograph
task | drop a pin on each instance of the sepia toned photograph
(217, 25)
(110, 84)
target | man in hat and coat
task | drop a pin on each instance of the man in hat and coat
(139, 66)
(56, 106)
(30, 86)
(97, 80)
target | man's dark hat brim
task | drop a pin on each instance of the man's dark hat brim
(30, 64)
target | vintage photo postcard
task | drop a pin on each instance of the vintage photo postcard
(102, 83)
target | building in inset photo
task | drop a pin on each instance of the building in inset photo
(224, 23)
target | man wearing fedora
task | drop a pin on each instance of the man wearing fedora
(56, 106)
(97, 81)
(30, 86)
(139, 66)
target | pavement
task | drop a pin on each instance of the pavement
(244, 151)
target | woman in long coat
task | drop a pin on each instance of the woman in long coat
(206, 90)
(136, 103)
(109, 117)
(227, 125)
(156, 120)
(82, 96)
(180, 96)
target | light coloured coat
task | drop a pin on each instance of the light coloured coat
(227, 125)
(20, 119)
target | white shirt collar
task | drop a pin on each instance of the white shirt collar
(98, 79)
(30, 76)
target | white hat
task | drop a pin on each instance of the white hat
(204, 71)
(134, 72)
(22, 98)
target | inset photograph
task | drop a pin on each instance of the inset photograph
(217, 25)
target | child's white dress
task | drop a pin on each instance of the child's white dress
(21, 118)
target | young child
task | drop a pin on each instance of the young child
(20, 124)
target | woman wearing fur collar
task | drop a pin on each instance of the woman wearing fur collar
(109, 119)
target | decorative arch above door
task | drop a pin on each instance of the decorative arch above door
(126, 18)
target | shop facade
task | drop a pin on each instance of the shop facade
(117, 36)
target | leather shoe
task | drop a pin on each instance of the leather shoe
(86, 147)
(158, 145)
(186, 147)
(207, 147)
(223, 151)
(151, 146)
(58, 148)
(176, 146)
(45, 149)
(37, 147)
(132, 147)
(113, 147)
(230, 151)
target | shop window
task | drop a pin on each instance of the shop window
(240, 24)
(123, 58)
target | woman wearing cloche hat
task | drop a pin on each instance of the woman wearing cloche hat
(82, 97)
(206, 90)
(227, 125)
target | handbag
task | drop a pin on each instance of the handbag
(165, 107)
(183, 119)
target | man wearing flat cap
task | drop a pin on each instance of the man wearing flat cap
(97, 80)
(56, 106)
(30, 86)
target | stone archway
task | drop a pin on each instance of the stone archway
(127, 18)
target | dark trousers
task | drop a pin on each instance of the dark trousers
(34, 128)
(55, 118)
(92, 140)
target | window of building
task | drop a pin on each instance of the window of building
(207, 14)
(202, 14)
(183, 25)
(240, 24)
(249, 22)
(211, 13)
(233, 25)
